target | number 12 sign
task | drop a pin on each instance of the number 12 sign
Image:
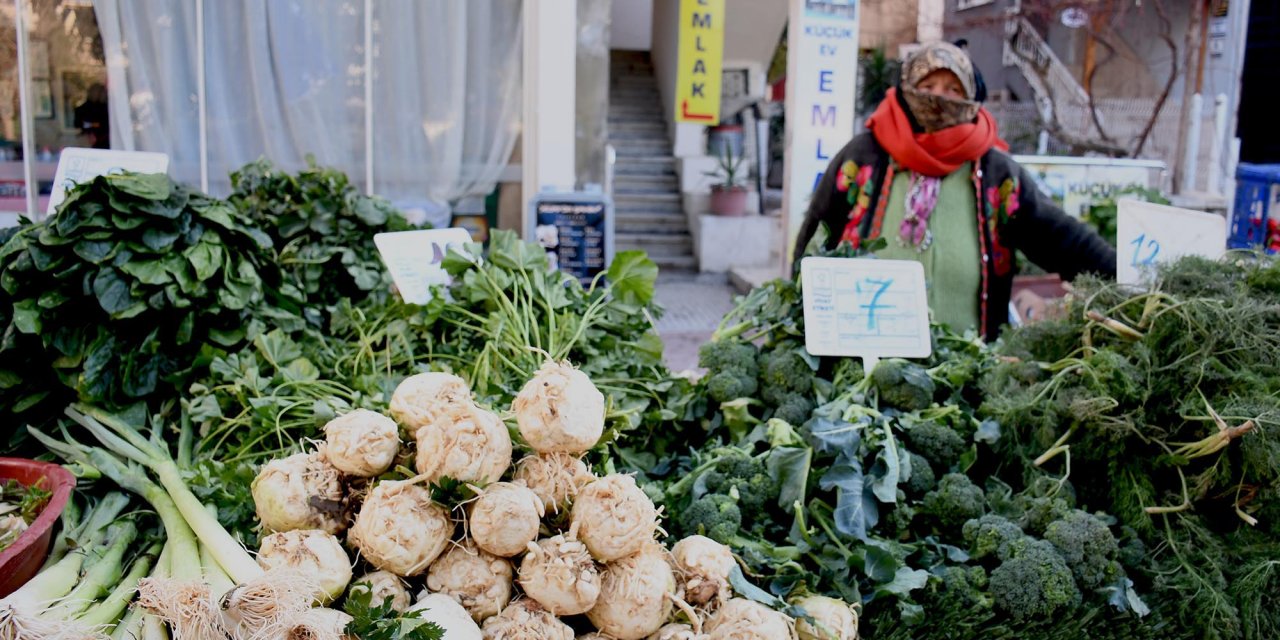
(865, 308)
(1149, 234)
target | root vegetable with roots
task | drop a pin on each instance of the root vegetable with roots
(447, 614)
(505, 518)
(316, 624)
(677, 631)
(478, 580)
(419, 398)
(302, 491)
(555, 477)
(832, 619)
(614, 517)
(559, 574)
(636, 595)
(466, 443)
(560, 410)
(704, 567)
(313, 553)
(400, 529)
(526, 620)
(742, 619)
(382, 585)
(362, 443)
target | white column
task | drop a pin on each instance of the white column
(1191, 162)
(929, 18)
(202, 101)
(1219, 143)
(24, 111)
(550, 79)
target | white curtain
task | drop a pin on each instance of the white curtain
(285, 79)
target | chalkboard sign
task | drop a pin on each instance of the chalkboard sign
(576, 230)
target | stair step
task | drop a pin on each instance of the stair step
(675, 263)
(656, 244)
(643, 149)
(628, 169)
(672, 208)
(619, 137)
(651, 223)
(642, 184)
(647, 198)
(634, 93)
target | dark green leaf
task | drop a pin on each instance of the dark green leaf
(789, 470)
(26, 317)
(879, 564)
(905, 580)
(856, 511)
(151, 272)
(112, 291)
(151, 186)
(95, 251)
(158, 239)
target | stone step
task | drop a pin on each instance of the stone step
(629, 168)
(674, 208)
(668, 264)
(631, 70)
(623, 110)
(624, 94)
(651, 223)
(634, 149)
(644, 184)
(622, 137)
(655, 244)
(653, 125)
(649, 120)
(633, 83)
(654, 198)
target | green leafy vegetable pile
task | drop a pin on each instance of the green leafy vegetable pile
(113, 299)
(1087, 477)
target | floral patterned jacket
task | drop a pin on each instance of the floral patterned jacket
(1013, 215)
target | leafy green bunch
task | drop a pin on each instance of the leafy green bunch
(113, 298)
(321, 226)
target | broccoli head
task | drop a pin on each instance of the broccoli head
(991, 535)
(783, 373)
(960, 588)
(898, 524)
(903, 385)
(745, 478)
(1088, 546)
(937, 442)
(922, 479)
(731, 367)
(956, 500)
(1039, 511)
(730, 385)
(794, 410)
(1034, 584)
(715, 516)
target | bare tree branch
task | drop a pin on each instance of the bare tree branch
(1166, 34)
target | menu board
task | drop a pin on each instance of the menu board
(576, 232)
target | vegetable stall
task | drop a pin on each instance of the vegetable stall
(267, 443)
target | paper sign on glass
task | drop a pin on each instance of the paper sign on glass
(76, 165)
(865, 308)
(414, 259)
(1149, 234)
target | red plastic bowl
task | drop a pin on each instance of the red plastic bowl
(24, 557)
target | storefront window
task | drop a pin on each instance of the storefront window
(67, 92)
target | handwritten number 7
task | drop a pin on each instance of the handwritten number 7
(1152, 246)
(880, 287)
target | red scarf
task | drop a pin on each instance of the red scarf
(934, 154)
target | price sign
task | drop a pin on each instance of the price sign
(576, 231)
(1149, 234)
(865, 308)
(76, 165)
(414, 257)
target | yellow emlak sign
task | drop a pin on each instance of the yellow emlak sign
(700, 62)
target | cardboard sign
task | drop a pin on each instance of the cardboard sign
(700, 61)
(77, 165)
(1149, 234)
(414, 257)
(865, 308)
(576, 230)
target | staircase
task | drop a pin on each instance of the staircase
(1056, 88)
(646, 190)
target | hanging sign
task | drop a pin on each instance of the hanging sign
(414, 259)
(1149, 234)
(700, 60)
(822, 50)
(576, 230)
(865, 308)
(76, 165)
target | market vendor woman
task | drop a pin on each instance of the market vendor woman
(931, 176)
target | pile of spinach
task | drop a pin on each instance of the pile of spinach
(113, 299)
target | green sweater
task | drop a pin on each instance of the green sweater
(952, 264)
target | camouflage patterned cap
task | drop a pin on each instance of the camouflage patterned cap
(939, 55)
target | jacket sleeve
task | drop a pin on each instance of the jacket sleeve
(827, 206)
(1053, 240)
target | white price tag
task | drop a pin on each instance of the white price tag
(414, 257)
(865, 308)
(76, 165)
(1149, 234)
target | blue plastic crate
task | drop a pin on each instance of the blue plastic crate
(1257, 200)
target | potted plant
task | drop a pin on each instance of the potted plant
(728, 195)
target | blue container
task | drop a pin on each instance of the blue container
(1257, 201)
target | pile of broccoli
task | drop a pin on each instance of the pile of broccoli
(731, 369)
(734, 483)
